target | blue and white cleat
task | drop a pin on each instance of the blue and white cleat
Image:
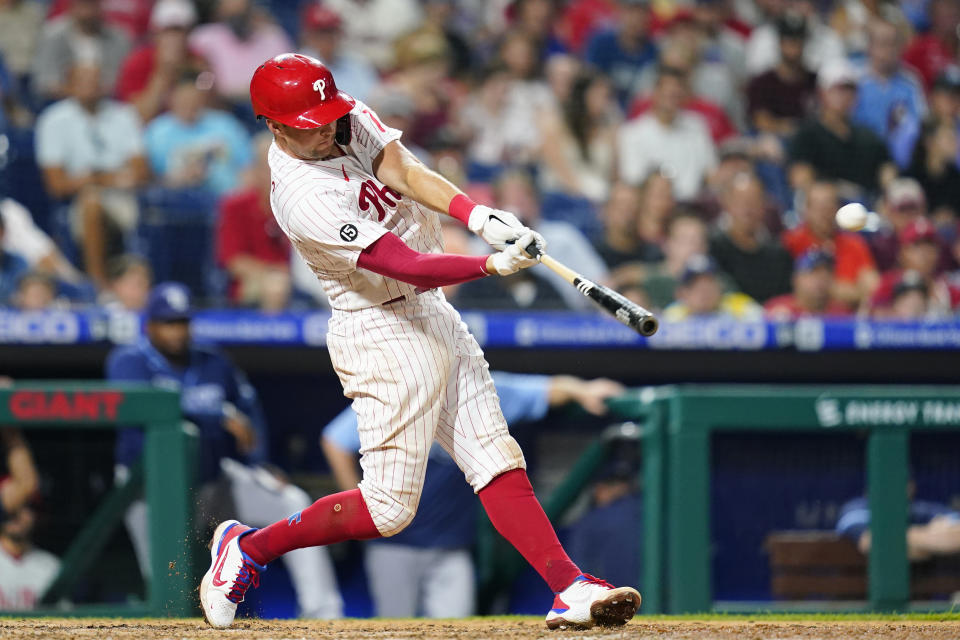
(590, 601)
(231, 573)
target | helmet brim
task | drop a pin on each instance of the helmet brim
(331, 110)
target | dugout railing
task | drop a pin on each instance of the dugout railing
(678, 422)
(166, 479)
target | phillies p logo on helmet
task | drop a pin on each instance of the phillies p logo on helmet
(320, 85)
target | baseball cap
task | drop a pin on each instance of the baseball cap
(919, 230)
(837, 72)
(319, 18)
(905, 192)
(909, 281)
(169, 14)
(810, 260)
(169, 302)
(792, 25)
(696, 266)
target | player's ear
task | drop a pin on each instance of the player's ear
(343, 134)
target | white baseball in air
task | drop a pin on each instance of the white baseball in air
(852, 217)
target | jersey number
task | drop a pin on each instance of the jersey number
(373, 196)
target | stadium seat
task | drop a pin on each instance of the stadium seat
(20, 176)
(575, 210)
(176, 235)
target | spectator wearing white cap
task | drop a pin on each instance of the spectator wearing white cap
(832, 147)
(150, 72)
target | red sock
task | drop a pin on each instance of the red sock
(335, 518)
(516, 514)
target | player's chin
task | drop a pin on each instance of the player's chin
(324, 146)
(318, 152)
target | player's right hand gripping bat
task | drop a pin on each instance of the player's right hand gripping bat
(627, 312)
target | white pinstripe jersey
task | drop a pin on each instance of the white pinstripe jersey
(333, 209)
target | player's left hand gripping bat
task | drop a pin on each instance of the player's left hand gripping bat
(627, 312)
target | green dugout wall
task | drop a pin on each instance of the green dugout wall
(678, 423)
(166, 477)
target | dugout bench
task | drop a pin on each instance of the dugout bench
(678, 421)
(166, 480)
(826, 566)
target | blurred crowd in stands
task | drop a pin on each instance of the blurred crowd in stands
(691, 153)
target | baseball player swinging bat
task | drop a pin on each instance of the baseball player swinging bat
(627, 312)
(362, 211)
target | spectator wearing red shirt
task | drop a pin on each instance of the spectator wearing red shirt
(151, 71)
(934, 51)
(855, 272)
(920, 250)
(812, 284)
(250, 244)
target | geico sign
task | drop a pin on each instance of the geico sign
(40, 326)
(65, 405)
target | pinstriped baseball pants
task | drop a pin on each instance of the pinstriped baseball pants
(415, 375)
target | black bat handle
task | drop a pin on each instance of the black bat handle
(532, 250)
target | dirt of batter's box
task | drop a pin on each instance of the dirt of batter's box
(473, 629)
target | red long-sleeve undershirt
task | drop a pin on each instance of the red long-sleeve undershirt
(390, 257)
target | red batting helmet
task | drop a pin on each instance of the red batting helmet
(298, 91)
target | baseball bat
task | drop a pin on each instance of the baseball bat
(627, 312)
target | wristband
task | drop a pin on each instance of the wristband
(460, 208)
